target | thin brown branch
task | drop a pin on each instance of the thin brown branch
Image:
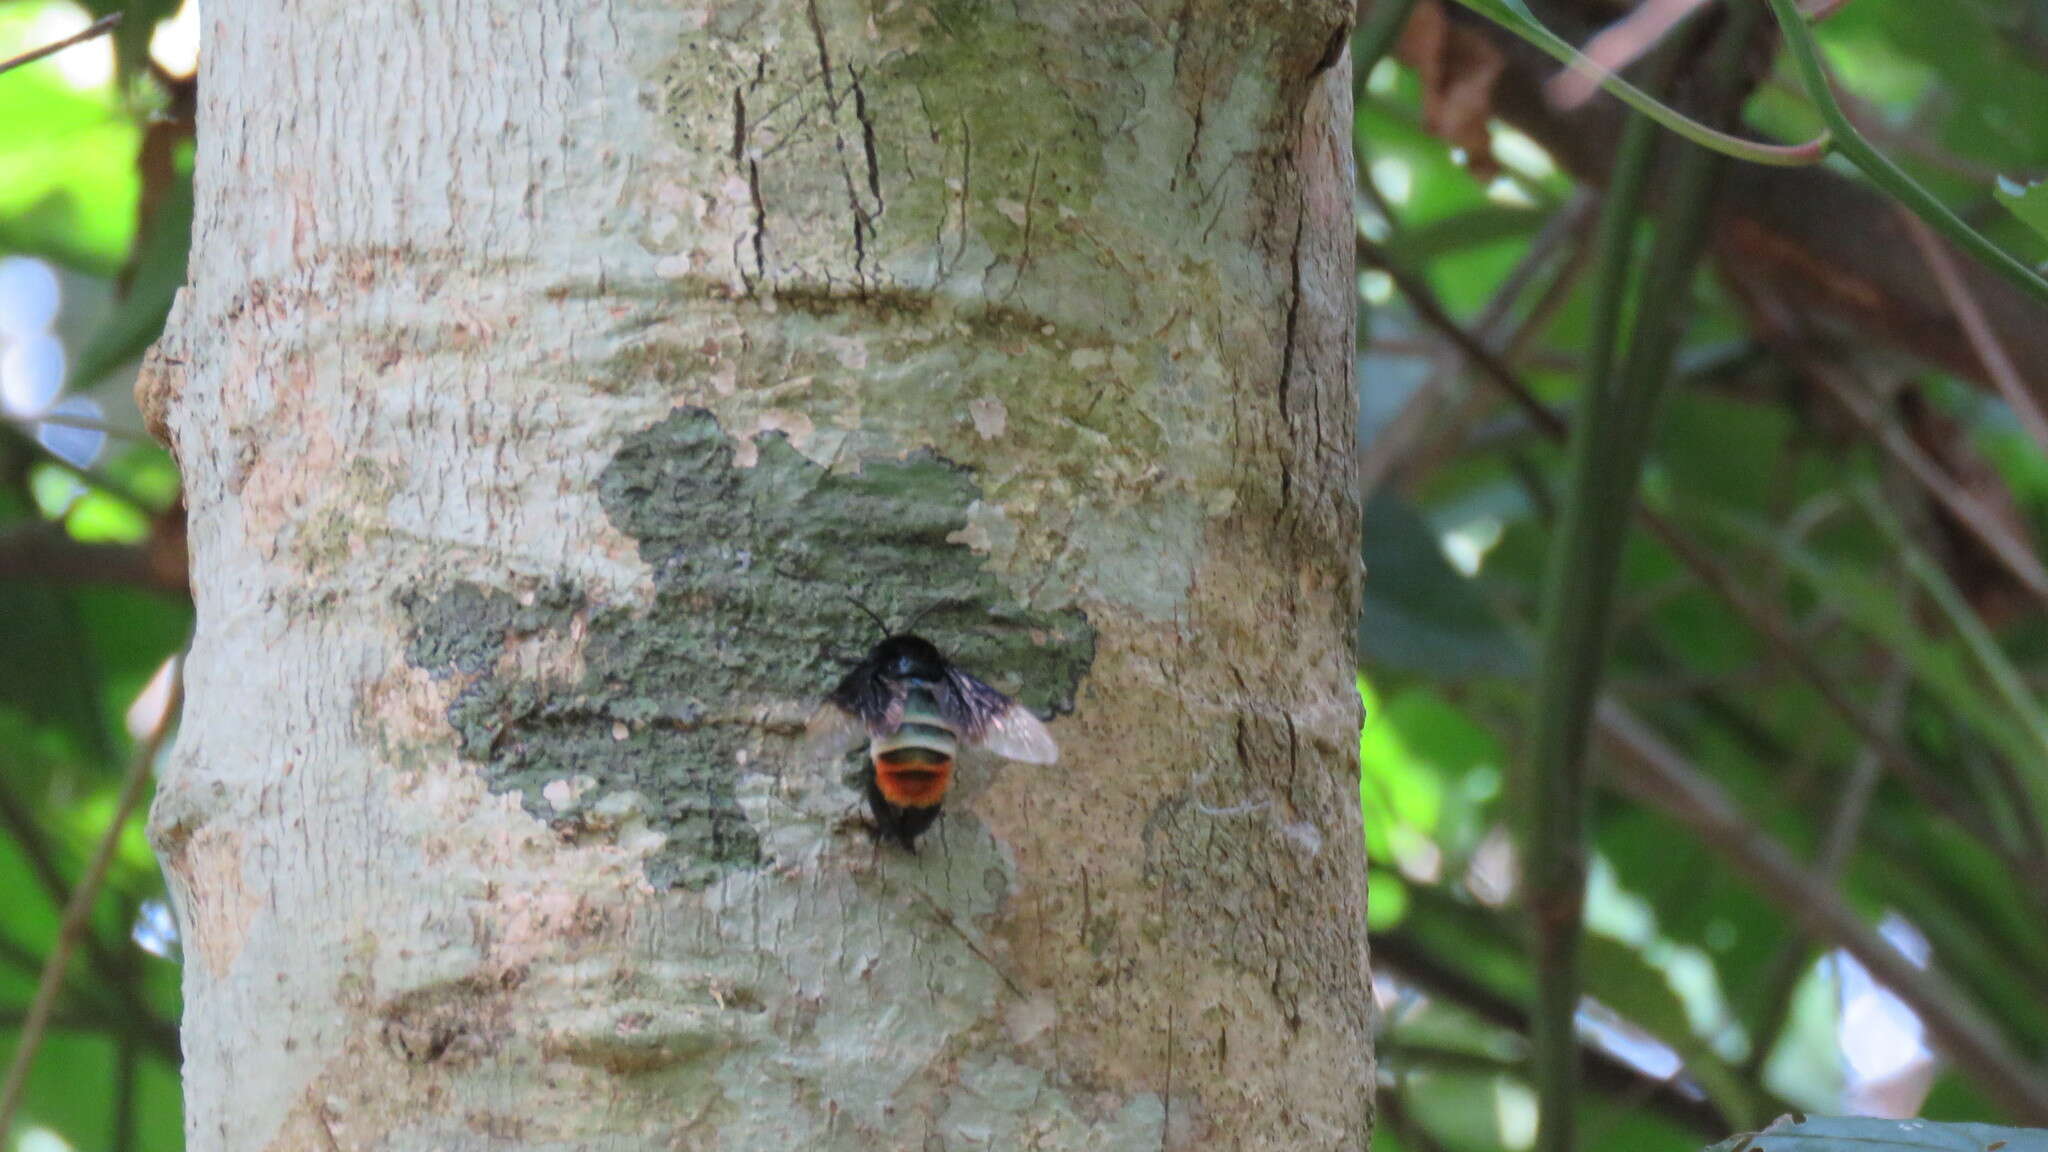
(88, 424)
(99, 27)
(1512, 344)
(2015, 556)
(1662, 779)
(1420, 435)
(1477, 354)
(79, 910)
(1616, 47)
(13, 440)
(28, 839)
(45, 553)
(1990, 350)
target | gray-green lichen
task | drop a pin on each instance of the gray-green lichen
(752, 567)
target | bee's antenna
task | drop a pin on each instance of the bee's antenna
(870, 613)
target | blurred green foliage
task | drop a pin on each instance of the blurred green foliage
(1721, 1012)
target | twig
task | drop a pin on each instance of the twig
(1616, 47)
(2006, 680)
(42, 862)
(1983, 339)
(1405, 445)
(131, 1018)
(79, 910)
(42, 551)
(2017, 558)
(10, 436)
(99, 27)
(1662, 779)
(1481, 358)
(1903, 139)
(1714, 140)
(87, 423)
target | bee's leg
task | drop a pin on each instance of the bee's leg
(882, 815)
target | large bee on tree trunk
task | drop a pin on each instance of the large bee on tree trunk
(915, 709)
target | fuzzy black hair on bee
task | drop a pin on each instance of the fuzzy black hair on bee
(915, 708)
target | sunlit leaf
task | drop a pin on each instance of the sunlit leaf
(2029, 202)
(68, 185)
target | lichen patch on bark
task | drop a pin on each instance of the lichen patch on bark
(754, 551)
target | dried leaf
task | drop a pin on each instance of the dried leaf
(1458, 68)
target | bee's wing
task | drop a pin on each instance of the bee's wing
(1018, 735)
(996, 722)
(832, 733)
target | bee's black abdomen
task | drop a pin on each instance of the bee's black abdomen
(903, 825)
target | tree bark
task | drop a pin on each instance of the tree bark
(550, 373)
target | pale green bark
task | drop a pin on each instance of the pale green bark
(551, 369)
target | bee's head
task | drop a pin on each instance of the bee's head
(908, 657)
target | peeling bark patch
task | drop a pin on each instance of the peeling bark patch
(751, 568)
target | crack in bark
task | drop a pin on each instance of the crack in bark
(1024, 259)
(817, 22)
(1287, 348)
(867, 138)
(863, 218)
(966, 184)
(1332, 50)
(739, 126)
(1293, 754)
(760, 225)
(1185, 22)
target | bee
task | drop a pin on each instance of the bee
(915, 709)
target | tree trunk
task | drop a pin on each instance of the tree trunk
(552, 371)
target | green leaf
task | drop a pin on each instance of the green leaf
(1422, 615)
(2029, 202)
(1477, 227)
(1870, 1134)
(68, 185)
(48, 672)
